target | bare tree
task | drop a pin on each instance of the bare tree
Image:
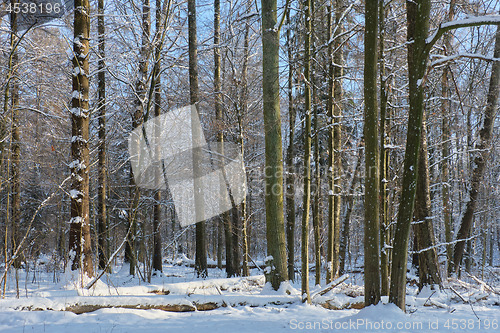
(140, 105)
(80, 247)
(201, 250)
(384, 157)
(446, 137)
(428, 266)
(275, 225)
(102, 215)
(481, 159)
(15, 149)
(306, 200)
(156, 78)
(419, 46)
(290, 152)
(371, 241)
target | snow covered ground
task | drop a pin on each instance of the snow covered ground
(241, 305)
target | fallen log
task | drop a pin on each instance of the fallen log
(193, 306)
(331, 286)
(86, 308)
(355, 305)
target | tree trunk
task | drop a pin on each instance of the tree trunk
(15, 139)
(241, 211)
(157, 211)
(418, 26)
(137, 120)
(243, 110)
(428, 266)
(134, 196)
(275, 228)
(102, 216)
(331, 156)
(481, 159)
(290, 168)
(228, 234)
(371, 236)
(80, 247)
(338, 71)
(384, 175)
(317, 196)
(316, 186)
(235, 216)
(220, 228)
(306, 297)
(220, 136)
(446, 112)
(201, 250)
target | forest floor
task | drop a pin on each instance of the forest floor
(178, 301)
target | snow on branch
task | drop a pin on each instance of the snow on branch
(467, 22)
(442, 60)
(443, 244)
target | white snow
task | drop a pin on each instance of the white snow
(77, 219)
(486, 19)
(77, 41)
(250, 305)
(76, 164)
(74, 193)
(78, 138)
(268, 258)
(79, 112)
(444, 59)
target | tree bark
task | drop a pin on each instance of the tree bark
(236, 221)
(220, 136)
(306, 297)
(220, 228)
(371, 235)
(446, 146)
(384, 175)
(102, 216)
(316, 185)
(481, 159)
(242, 269)
(80, 246)
(290, 167)
(15, 138)
(317, 196)
(428, 266)
(331, 156)
(201, 250)
(243, 110)
(275, 228)
(137, 120)
(338, 71)
(418, 26)
(157, 211)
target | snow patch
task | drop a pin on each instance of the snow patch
(77, 219)
(75, 194)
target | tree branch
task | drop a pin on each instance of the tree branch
(287, 8)
(468, 22)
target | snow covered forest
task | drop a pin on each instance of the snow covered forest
(367, 137)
